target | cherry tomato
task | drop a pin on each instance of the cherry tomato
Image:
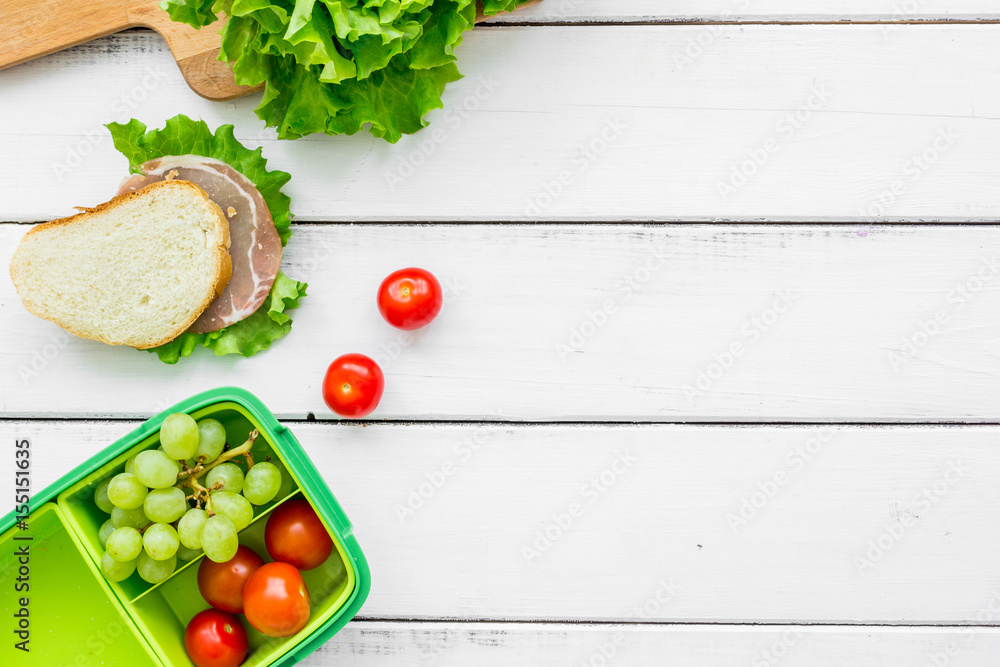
(276, 600)
(221, 584)
(215, 639)
(410, 298)
(295, 535)
(353, 385)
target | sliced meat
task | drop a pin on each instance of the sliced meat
(256, 246)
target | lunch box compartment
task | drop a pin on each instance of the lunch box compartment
(164, 612)
(78, 500)
(66, 594)
(150, 619)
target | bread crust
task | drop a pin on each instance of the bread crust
(222, 267)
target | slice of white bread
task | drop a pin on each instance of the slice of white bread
(137, 270)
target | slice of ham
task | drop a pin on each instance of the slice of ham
(256, 246)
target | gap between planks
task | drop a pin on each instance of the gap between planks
(365, 423)
(688, 625)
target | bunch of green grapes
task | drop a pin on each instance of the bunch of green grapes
(182, 499)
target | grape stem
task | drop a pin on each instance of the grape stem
(192, 475)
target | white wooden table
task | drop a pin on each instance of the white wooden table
(751, 340)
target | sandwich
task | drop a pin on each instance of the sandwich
(186, 255)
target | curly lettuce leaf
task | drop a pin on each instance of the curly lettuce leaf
(197, 14)
(339, 66)
(491, 7)
(246, 337)
(183, 136)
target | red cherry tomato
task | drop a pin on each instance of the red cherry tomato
(221, 584)
(215, 639)
(353, 385)
(410, 298)
(295, 535)
(276, 600)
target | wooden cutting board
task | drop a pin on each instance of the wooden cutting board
(34, 28)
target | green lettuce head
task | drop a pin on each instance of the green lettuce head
(334, 66)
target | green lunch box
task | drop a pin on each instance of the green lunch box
(77, 618)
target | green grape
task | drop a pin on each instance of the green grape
(228, 475)
(101, 497)
(165, 505)
(233, 505)
(104, 533)
(155, 469)
(189, 528)
(185, 554)
(262, 483)
(287, 482)
(211, 440)
(126, 491)
(124, 544)
(160, 541)
(135, 518)
(179, 436)
(154, 571)
(116, 570)
(218, 539)
(129, 465)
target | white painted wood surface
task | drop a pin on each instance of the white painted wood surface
(841, 524)
(673, 134)
(374, 644)
(754, 10)
(656, 553)
(518, 339)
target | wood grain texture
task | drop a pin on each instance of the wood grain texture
(897, 134)
(381, 644)
(445, 513)
(591, 322)
(34, 29)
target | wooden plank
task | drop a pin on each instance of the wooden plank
(41, 27)
(382, 644)
(755, 10)
(649, 523)
(586, 322)
(45, 26)
(560, 131)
